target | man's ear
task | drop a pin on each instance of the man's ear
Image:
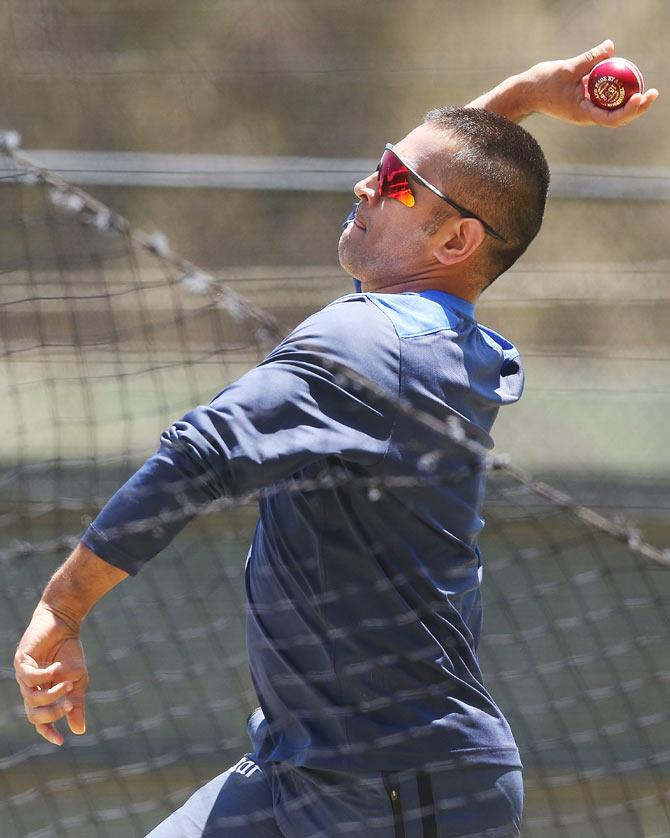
(464, 238)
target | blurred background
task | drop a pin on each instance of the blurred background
(174, 114)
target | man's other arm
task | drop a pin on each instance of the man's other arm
(291, 410)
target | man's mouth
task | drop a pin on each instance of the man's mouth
(359, 223)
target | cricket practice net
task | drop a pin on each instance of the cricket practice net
(107, 336)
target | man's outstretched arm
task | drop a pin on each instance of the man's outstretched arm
(558, 89)
(284, 414)
(49, 662)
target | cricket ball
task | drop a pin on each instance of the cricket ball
(613, 81)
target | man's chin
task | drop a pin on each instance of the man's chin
(347, 262)
(351, 260)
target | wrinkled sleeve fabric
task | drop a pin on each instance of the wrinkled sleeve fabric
(290, 411)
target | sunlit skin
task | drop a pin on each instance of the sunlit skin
(387, 246)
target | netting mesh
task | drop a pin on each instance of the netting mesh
(107, 336)
(103, 344)
(575, 652)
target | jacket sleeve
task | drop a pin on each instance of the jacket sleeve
(291, 410)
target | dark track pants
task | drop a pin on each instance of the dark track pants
(253, 800)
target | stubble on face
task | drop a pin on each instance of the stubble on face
(379, 261)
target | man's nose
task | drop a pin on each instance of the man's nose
(368, 188)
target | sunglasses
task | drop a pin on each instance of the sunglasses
(394, 182)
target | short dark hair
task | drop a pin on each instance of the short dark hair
(499, 171)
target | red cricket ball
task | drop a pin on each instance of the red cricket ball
(613, 82)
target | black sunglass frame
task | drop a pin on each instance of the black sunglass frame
(461, 210)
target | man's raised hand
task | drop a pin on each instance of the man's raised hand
(558, 89)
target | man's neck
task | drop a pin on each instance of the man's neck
(448, 285)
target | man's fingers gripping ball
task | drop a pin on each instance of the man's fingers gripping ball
(612, 88)
(634, 107)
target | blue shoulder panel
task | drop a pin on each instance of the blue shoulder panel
(423, 312)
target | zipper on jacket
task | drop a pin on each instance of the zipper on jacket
(393, 791)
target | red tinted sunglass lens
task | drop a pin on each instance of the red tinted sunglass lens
(394, 179)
